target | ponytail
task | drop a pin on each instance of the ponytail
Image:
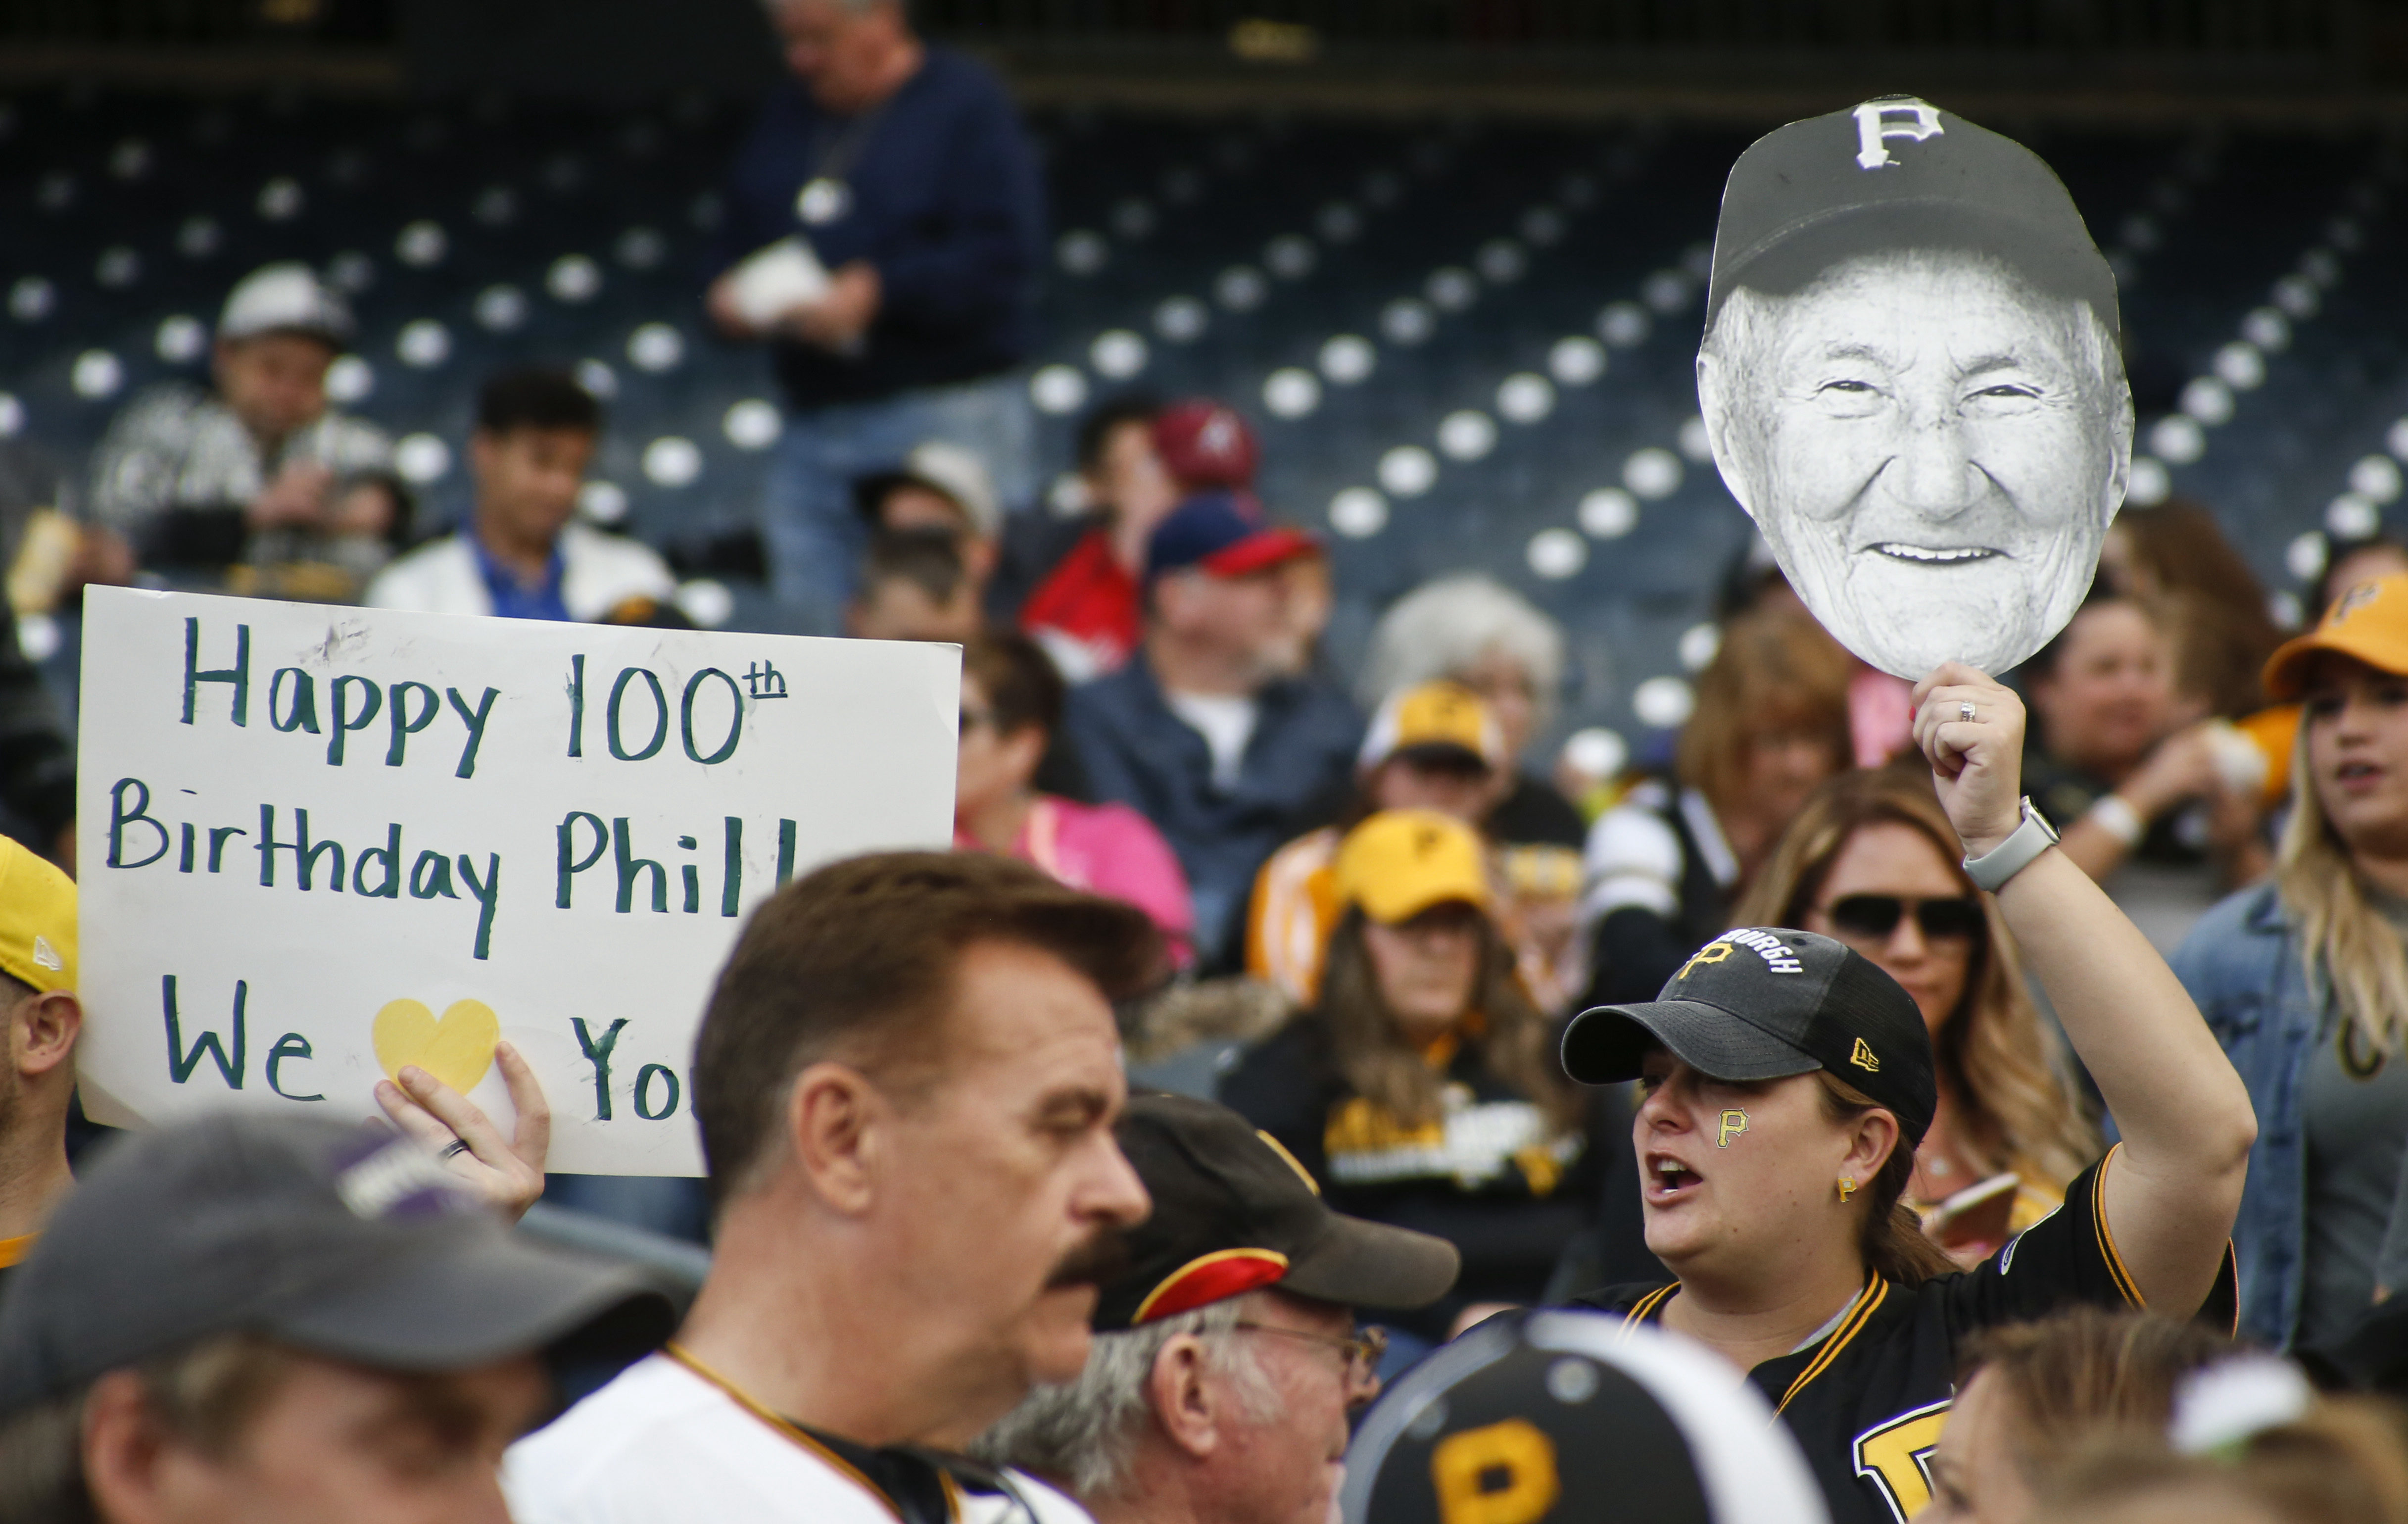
(1892, 1241)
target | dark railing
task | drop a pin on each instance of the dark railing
(2048, 26)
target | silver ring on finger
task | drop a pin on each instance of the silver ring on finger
(1965, 711)
(458, 1147)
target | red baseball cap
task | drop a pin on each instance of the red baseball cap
(1205, 444)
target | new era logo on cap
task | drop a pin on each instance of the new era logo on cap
(45, 954)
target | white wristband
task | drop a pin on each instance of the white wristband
(2114, 814)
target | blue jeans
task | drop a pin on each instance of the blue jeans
(810, 525)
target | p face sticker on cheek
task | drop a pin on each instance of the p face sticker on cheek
(1733, 1124)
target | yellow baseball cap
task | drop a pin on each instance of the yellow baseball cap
(1400, 862)
(37, 920)
(1439, 714)
(2369, 622)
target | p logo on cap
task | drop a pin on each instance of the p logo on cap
(1874, 127)
(1712, 952)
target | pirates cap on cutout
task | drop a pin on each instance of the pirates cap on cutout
(1896, 172)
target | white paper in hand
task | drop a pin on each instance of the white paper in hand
(774, 280)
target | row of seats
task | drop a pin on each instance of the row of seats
(1468, 345)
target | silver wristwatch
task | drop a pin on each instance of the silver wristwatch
(1992, 868)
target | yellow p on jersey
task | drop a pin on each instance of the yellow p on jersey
(1868, 1397)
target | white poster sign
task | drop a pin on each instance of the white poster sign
(315, 844)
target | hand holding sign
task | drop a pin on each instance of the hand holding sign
(1973, 730)
(508, 1173)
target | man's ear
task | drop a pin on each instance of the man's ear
(834, 1121)
(1181, 1393)
(123, 1447)
(44, 1031)
(1172, 604)
(1714, 409)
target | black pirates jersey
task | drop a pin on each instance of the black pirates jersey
(1868, 1398)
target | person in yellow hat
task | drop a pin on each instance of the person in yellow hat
(2304, 980)
(1421, 1089)
(1432, 746)
(41, 1018)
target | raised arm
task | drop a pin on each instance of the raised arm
(2172, 1192)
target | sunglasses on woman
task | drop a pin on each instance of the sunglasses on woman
(1871, 917)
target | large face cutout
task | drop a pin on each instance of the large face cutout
(1910, 383)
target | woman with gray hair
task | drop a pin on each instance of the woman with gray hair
(1484, 635)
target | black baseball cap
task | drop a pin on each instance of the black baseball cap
(346, 1241)
(1234, 1211)
(1891, 173)
(1570, 1417)
(1765, 1002)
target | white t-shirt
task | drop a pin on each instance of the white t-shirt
(660, 1445)
(1226, 722)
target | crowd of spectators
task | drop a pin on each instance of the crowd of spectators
(1163, 786)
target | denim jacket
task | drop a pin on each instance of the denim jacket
(2242, 968)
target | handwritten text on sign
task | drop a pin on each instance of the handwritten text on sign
(316, 844)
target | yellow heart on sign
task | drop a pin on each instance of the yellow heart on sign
(456, 1048)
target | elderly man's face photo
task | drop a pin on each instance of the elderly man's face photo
(1932, 449)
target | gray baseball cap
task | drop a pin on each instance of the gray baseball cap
(346, 1241)
(1896, 172)
(286, 297)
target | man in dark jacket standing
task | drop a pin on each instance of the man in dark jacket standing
(903, 173)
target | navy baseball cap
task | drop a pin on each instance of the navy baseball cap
(346, 1241)
(1765, 1002)
(1223, 533)
(1896, 172)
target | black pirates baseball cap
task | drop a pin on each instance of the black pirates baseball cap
(1234, 1211)
(1896, 172)
(1571, 1418)
(1765, 1002)
(346, 1241)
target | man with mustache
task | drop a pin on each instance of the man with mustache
(1911, 379)
(906, 1080)
(1226, 1361)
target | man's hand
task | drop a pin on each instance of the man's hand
(296, 497)
(1976, 764)
(720, 303)
(507, 1173)
(837, 320)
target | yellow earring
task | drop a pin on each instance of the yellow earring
(1847, 1188)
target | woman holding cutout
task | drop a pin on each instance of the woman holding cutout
(1787, 1081)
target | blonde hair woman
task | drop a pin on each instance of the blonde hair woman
(1871, 861)
(2304, 980)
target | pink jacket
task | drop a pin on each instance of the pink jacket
(1109, 848)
